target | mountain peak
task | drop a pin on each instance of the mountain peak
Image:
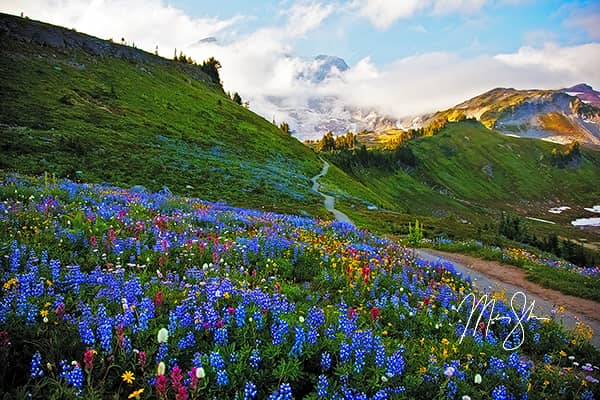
(580, 87)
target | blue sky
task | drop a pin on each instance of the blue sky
(406, 57)
(496, 27)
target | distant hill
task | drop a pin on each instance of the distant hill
(95, 111)
(556, 115)
(464, 176)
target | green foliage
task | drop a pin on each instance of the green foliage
(415, 233)
(343, 142)
(568, 156)
(164, 124)
(211, 68)
(237, 98)
(285, 127)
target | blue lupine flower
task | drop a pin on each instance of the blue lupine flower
(162, 352)
(187, 341)
(359, 360)
(322, 385)
(587, 395)
(104, 330)
(254, 358)
(500, 393)
(222, 379)
(380, 357)
(312, 336)
(345, 352)
(325, 361)
(249, 391)
(283, 393)
(216, 361)
(380, 395)
(395, 364)
(496, 365)
(221, 337)
(36, 363)
(296, 349)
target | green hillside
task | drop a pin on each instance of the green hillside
(139, 119)
(469, 174)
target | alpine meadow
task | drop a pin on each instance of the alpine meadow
(215, 213)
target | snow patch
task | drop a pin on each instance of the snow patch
(558, 210)
(586, 222)
(595, 209)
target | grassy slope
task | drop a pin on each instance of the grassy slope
(451, 182)
(129, 123)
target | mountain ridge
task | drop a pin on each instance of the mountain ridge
(88, 109)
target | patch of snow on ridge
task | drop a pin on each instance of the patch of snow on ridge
(558, 210)
(595, 209)
(586, 222)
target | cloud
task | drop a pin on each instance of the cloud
(148, 23)
(573, 62)
(306, 16)
(586, 18)
(262, 66)
(266, 73)
(383, 13)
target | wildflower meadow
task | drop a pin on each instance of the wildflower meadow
(124, 294)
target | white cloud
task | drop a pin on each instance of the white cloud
(586, 18)
(410, 86)
(572, 62)
(148, 23)
(383, 13)
(263, 69)
(304, 17)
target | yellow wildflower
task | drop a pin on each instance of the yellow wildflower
(136, 394)
(562, 353)
(445, 341)
(44, 313)
(10, 283)
(128, 377)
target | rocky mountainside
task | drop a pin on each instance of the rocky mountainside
(322, 113)
(556, 115)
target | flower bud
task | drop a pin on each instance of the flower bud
(160, 371)
(163, 335)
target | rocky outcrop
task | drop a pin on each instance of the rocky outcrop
(13, 28)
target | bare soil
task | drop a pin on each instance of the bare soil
(510, 274)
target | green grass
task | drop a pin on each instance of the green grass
(464, 177)
(561, 279)
(99, 119)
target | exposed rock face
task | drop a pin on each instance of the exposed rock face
(39, 33)
(555, 115)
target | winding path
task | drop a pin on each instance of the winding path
(329, 200)
(490, 275)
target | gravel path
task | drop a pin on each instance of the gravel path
(491, 275)
(329, 200)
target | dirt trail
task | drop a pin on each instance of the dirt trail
(329, 200)
(492, 274)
